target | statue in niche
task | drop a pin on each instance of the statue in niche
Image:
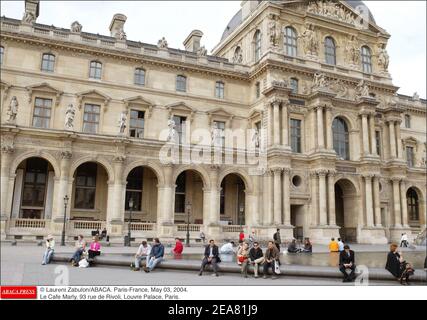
(319, 81)
(339, 88)
(353, 51)
(172, 131)
(12, 111)
(238, 55)
(69, 117)
(383, 57)
(272, 31)
(311, 44)
(362, 89)
(255, 138)
(216, 134)
(122, 122)
(28, 17)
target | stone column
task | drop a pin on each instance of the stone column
(322, 198)
(377, 201)
(368, 201)
(6, 159)
(270, 198)
(61, 189)
(372, 134)
(403, 201)
(320, 133)
(392, 139)
(399, 141)
(276, 123)
(286, 197)
(267, 214)
(365, 134)
(277, 196)
(314, 198)
(285, 125)
(329, 138)
(396, 203)
(214, 216)
(165, 211)
(331, 198)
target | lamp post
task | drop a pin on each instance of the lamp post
(65, 218)
(241, 210)
(130, 220)
(188, 207)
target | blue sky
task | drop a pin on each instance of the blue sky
(148, 21)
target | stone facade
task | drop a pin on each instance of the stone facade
(70, 98)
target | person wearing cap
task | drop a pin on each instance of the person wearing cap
(48, 254)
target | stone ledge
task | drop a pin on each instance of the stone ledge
(286, 270)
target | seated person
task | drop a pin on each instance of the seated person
(347, 263)
(397, 266)
(227, 248)
(143, 253)
(94, 249)
(292, 247)
(80, 248)
(156, 255)
(271, 257)
(256, 257)
(211, 257)
(308, 247)
(178, 247)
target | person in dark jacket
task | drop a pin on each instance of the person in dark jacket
(397, 266)
(271, 257)
(256, 257)
(308, 247)
(156, 255)
(292, 247)
(211, 257)
(347, 263)
(277, 239)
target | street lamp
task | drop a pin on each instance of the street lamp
(65, 217)
(188, 207)
(130, 220)
(241, 210)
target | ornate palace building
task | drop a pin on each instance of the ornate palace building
(309, 134)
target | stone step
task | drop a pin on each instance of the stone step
(286, 270)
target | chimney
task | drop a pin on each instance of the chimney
(248, 6)
(192, 43)
(117, 24)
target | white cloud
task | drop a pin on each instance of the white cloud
(148, 21)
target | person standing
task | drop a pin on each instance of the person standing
(80, 246)
(243, 258)
(241, 236)
(347, 263)
(48, 254)
(156, 255)
(277, 239)
(202, 236)
(333, 246)
(251, 239)
(256, 257)
(143, 252)
(211, 256)
(271, 257)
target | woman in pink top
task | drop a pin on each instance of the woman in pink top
(95, 248)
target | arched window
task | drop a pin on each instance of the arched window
(290, 42)
(139, 77)
(95, 70)
(294, 85)
(341, 138)
(413, 206)
(48, 62)
(366, 59)
(257, 39)
(181, 83)
(330, 51)
(1, 55)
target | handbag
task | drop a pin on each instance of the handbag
(276, 267)
(241, 259)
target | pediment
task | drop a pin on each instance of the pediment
(93, 94)
(45, 88)
(255, 113)
(220, 113)
(138, 100)
(181, 106)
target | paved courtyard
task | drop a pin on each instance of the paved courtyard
(21, 265)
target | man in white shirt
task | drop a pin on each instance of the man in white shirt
(143, 252)
(404, 240)
(340, 245)
(227, 248)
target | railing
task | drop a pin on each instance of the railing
(87, 225)
(191, 227)
(139, 226)
(232, 228)
(29, 223)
